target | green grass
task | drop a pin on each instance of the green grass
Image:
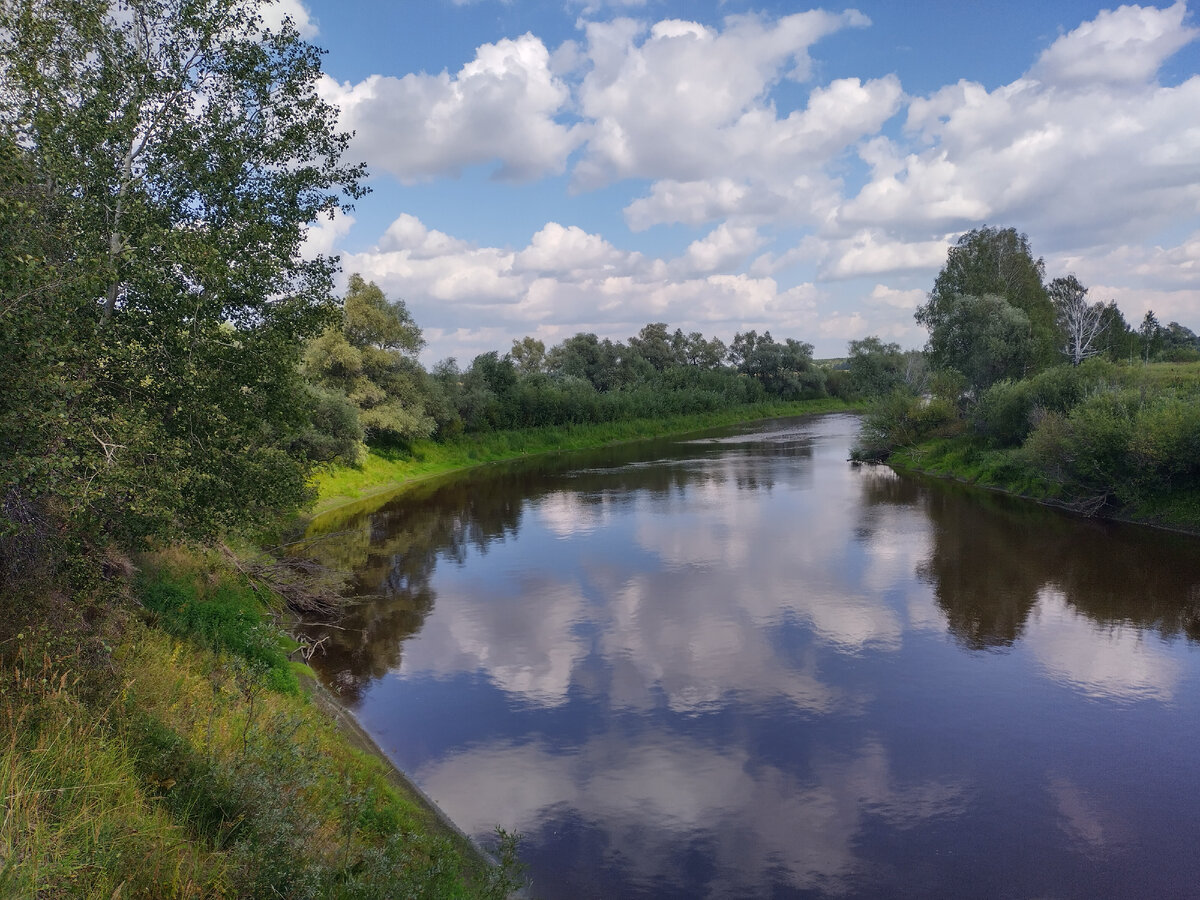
(174, 765)
(383, 471)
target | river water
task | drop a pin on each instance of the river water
(735, 665)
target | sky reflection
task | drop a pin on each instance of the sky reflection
(738, 666)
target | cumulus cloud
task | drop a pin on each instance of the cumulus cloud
(1087, 152)
(1037, 150)
(274, 13)
(686, 101)
(499, 107)
(577, 281)
(324, 235)
(873, 252)
(1126, 46)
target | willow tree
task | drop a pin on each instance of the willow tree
(181, 149)
(995, 262)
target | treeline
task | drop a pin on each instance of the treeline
(1033, 388)
(368, 385)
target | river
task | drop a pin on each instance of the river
(735, 665)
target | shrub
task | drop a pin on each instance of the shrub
(900, 420)
(1004, 414)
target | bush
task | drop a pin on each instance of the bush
(1003, 415)
(1164, 448)
(900, 420)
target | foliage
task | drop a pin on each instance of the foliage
(902, 420)
(990, 261)
(370, 360)
(877, 369)
(985, 338)
(785, 370)
(177, 151)
(1008, 411)
(1094, 437)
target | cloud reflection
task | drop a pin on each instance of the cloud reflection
(654, 793)
(1104, 661)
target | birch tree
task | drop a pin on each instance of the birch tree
(185, 151)
(1081, 322)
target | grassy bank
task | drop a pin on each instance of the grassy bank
(384, 471)
(172, 747)
(1120, 442)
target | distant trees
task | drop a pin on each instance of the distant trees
(876, 369)
(784, 370)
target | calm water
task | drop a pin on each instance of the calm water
(739, 667)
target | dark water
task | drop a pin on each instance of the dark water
(740, 667)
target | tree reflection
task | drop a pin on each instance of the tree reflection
(394, 550)
(992, 556)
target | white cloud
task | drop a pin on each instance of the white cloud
(1125, 46)
(686, 102)
(873, 252)
(501, 107)
(325, 235)
(725, 247)
(900, 299)
(1060, 152)
(274, 13)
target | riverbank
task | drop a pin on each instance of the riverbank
(1117, 441)
(382, 473)
(963, 460)
(162, 739)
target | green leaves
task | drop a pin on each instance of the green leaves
(158, 166)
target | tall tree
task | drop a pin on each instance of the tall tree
(1080, 321)
(983, 338)
(1151, 333)
(184, 150)
(529, 354)
(371, 359)
(653, 343)
(876, 368)
(998, 262)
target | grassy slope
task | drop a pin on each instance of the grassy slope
(174, 757)
(383, 472)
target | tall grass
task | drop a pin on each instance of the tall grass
(180, 767)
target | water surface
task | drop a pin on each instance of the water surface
(737, 666)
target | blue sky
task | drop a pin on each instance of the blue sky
(557, 166)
